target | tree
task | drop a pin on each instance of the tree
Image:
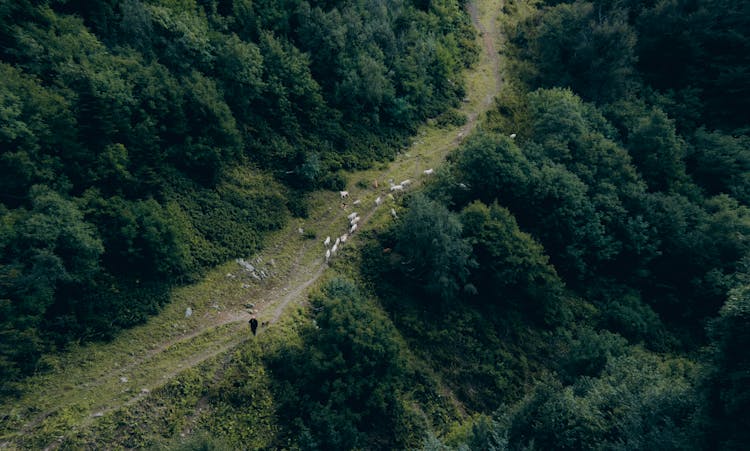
(720, 163)
(576, 46)
(340, 388)
(140, 239)
(37, 127)
(492, 167)
(640, 401)
(432, 249)
(658, 152)
(728, 378)
(511, 265)
(42, 251)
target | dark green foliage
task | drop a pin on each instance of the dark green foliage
(44, 249)
(547, 198)
(657, 151)
(33, 120)
(623, 311)
(139, 121)
(720, 163)
(431, 249)
(138, 235)
(689, 56)
(641, 210)
(619, 221)
(511, 267)
(703, 46)
(585, 352)
(726, 393)
(639, 402)
(575, 45)
(485, 433)
(573, 187)
(493, 167)
(701, 251)
(340, 389)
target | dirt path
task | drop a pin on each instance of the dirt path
(102, 378)
(489, 34)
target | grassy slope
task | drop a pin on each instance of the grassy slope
(153, 379)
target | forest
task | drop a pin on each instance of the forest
(145, 141)
(575, 276)
(589, 245)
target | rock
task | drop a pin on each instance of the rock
(248, 267)
(98, 414)
(123, 379)
(188, 312)
(145, 391)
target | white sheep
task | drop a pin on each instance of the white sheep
(354, 227)
(188, 312)
(334, 249)
(328, 254)
(405, 183)
(344, 194)
(513, 136)
(356, 220)
(327, 241)
(393, 213)
(352, 215)
(378, 201)
(428, 171)
(396, 188)
(356, 202)
(344, 237)
(338, 240)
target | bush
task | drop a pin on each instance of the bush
(341, 388)
(451, 118)
(334, 182)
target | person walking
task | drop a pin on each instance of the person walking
(253, 324)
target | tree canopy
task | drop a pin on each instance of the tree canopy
(144, 141)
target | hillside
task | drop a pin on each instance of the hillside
(556, 258)
(80, 391)
(144, 142)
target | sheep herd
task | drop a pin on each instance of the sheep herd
(354, 217)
